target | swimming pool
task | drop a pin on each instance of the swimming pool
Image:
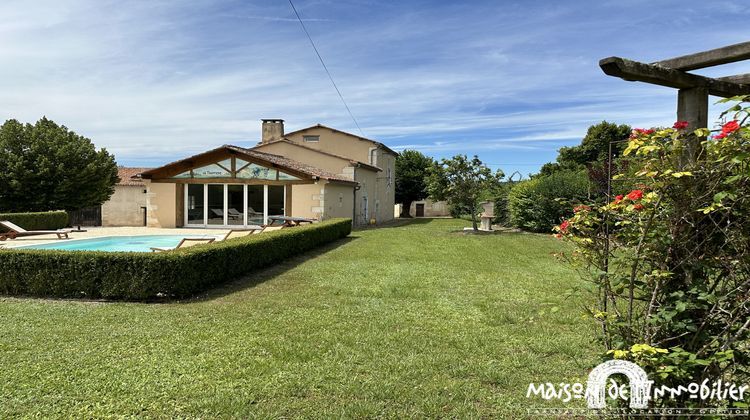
(116, 243)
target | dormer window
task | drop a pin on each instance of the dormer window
(311, 139)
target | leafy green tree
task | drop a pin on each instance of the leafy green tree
(593, 150)
(45, 166)
(464, 183)
(595, 145)
(411, 171)
(592, 155)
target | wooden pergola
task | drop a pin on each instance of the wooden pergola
(693, 89)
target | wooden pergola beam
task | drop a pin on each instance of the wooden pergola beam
(715, 57)
(739, 78)
(658, 75)
(692, 97)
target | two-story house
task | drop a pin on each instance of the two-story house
(316, 172)
(370, 163)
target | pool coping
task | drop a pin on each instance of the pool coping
(67, 241)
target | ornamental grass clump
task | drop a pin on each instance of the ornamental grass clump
(668, 257)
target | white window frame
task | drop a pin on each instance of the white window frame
(305, 139)
(244, 204)
(226, 206)
(205, 205)
(265, 204)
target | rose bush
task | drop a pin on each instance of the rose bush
(669, 260)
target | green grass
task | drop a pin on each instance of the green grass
(403, 321)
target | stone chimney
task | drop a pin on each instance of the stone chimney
(272, 129)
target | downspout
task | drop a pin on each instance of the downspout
(354, 203)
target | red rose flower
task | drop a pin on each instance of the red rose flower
(635, 195)
(618, 199)
(720, 136)
(730, 127)
(637, 132)
(564, 226)
(638, 207)
(681, 125)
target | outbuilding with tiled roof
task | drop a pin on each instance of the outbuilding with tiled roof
(127, 206)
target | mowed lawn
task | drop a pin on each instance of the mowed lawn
(404, 321)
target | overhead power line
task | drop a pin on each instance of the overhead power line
(513, 164)
(326, 68)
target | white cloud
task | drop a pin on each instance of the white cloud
(155, 81)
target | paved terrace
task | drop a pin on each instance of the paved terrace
(96, 232)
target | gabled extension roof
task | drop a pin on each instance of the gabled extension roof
(130, 176)
(268, 158)
(388, 149)
(352, 161)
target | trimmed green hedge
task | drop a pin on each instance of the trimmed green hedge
(140, 276)
(48, 220)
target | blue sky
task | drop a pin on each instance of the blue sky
(510, 81)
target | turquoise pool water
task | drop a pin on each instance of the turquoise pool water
(116, 243)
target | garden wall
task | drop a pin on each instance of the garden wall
(141, 276)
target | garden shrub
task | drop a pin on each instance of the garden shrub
(502, 213)
(540, 203)
(142, 275)
(458, 212)
(48, 220)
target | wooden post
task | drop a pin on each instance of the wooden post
(692, 106)
(179, 205)
(288, 201)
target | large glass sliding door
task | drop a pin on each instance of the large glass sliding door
(195, 212)
(235, 205)
(216, 204)
(255, 205)
(232, 205)
(276, 200)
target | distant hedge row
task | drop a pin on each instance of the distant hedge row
(141, 276)
(48, 220)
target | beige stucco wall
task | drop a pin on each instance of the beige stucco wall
(321, 201)
(364, 206)
(337, 201)
(431, 208)
(161, 204)
(306, 200)
(332, 164)
(125, 207)
(378, 189)
(337, 143)
(386, 189)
